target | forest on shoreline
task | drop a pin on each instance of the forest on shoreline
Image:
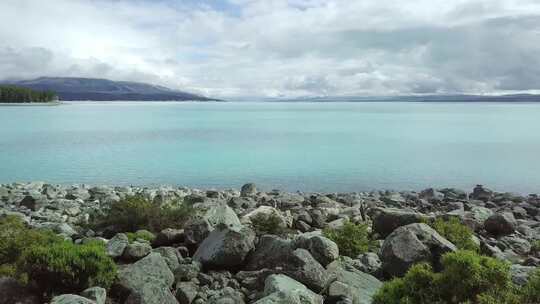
(15, 94)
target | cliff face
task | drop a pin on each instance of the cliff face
(106, 90)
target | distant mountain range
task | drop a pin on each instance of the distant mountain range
(78, 89)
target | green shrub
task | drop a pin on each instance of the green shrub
(535, 248)
(264, 223)
(466, 278)
(457, 233)
(140, 234)
(64, 267)
(530, 293)
(136, 213)
(352, 239)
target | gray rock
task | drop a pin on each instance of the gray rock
(171, 255)
(136, 251)
(411, 244)
(186, 292)
(302, 267)
(168, 237)
(221, 215)
(71, 299)
(196, 230)
(187, 272)
(370, 263)
(116, 246)
(501, 224)
(386, 220)
(226, 295)
(357, 285)
(270, 252)
(322, 249)
(96, 294)
(147, 281)
(481, 193)
(225, 248)
(520, 274)
(248, 190)
(286, 290)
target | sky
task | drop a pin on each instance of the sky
(278, 48)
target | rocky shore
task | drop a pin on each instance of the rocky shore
(219, 257)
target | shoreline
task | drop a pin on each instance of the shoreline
(54, 103)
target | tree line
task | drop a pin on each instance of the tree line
(15, 94)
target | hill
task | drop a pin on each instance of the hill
(77, 89)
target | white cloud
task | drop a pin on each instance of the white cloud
(277, 47)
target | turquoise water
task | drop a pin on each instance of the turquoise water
(292, 146)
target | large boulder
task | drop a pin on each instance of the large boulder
(324, 250)
(265, 212)
(196, 230)
(302, 267)
(481, 193)
(280, 289)
(412, 244)
(223, 216)
(96, 294)
(116, 246)
(386, 220)
(248, 189)
(349, 282)
(168, 237)
(136, 251)
(501, 224)
(71, 299)
(147, 281)
(271, 251)
(225, 248)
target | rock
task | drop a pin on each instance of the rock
(116, 246)
(322, 249)
(186, 292)
(171, 255)
(481, 193)
(168, 237)
(221, 215)
(358, 286)
(248, 190)
(33, 202)
(187, 272)
(411, 244)
(265, 211)
(386, 220)
(96, 294)
(370, 263)
(520, 274)
(12, 292)
(431, 194)
(147, 281)
(196, 230)
(517, 244)
(501, 224)
(302, 267)
(136, 251)
(270, 252)
(71, 299)
(287, 290)
(225, 248)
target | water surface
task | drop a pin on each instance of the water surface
(292, 146)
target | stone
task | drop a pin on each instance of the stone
(501, 224)
(196, 230)
(481, 193)
(302, 267)
(248, 190)
(136, 251)
(288, 288)
(96, 294)
(520, 274)
(168, 237)
(225, 248)
(354, 284)
(223, 216)
(265, 211)
(412, 244)
(116, 246)
(386, 220)
(186, 292)
(171, 255)
(370, 263)
(187, 272)
(147, 281)
(270, 252)
(321, 248)
(71, 299)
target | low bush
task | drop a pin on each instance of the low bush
(466, 278)
(136, 212)
(264, 223)
(140, 234)
(352, 239)
(457, 233)
(535, 248)
(65, 267)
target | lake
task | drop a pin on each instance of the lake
(291, 146)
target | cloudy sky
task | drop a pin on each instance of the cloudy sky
(231, 48)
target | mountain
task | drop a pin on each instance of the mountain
(73, 89)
